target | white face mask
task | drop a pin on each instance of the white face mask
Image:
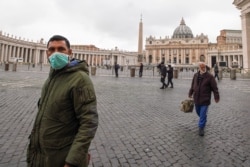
(58, 60)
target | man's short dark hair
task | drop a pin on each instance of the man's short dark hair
(59, 38)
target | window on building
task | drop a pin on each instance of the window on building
(163, 59)
(221, 58)
(150, 59)
(202, 58)
(175, 60)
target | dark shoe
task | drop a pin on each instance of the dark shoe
(201, 131)
(161, 87)
(171, 87)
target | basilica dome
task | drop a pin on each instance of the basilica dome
(182, 31)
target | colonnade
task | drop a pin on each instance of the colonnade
(105, 58)
(229, 59)
(12, 53)
(13, 50)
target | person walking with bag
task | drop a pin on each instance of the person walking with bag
(203, 84)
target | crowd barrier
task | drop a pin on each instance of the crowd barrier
(131, 71)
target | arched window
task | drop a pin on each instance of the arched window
(202, 58)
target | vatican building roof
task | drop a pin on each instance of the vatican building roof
(182, 31)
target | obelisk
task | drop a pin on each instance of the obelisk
(140, 42)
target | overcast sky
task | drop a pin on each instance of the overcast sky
(115, 23)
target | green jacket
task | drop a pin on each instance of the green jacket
(66, 121)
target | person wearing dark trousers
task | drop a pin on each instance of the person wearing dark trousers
(216, 71)
(116, 69)
(203, 84)
(163, 75)
(141, 70)
(170, 72)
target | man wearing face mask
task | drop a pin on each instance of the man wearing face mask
(67, 117)
(203, 84)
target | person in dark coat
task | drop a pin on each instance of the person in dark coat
(141, 70)
(116, 69)
(163, 71)
(216, 71)
(170, 72)
(203, 84)
(67, 118)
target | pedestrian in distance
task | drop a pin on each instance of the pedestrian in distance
(170, 72)
(163, 73)
(141, 70)
(216, 71)
(203, 84)
(67, 117)
(117, 66)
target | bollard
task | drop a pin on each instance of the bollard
(233, 73)
(93, 70)
(6, 67)
(132, 72)
(175, 73)
(14, 67)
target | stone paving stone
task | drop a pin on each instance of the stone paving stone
(140, 124)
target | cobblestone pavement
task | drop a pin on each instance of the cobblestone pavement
(140, 124)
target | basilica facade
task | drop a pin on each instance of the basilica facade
(185, 49)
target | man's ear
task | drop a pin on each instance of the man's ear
(70, 53)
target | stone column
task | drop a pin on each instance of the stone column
(22, 54)
(246, 39)
(18, 52)
(2, 53)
